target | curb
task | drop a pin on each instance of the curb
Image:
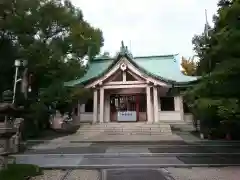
(117, 155)
(115, 166)
(135, 141)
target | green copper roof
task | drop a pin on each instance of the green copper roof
(96, 68)
(165, 68)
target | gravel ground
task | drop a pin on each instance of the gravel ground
(50, 175)
(228, 173)
(84, 175)
(73, 175)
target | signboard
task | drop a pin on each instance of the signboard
(125, 116)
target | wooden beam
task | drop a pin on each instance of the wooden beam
(123, 86)
(136, 76)
(125, 83)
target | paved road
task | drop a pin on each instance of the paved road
(108, 155)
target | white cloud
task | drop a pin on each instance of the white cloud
(153, 26)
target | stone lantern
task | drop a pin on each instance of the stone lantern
(7, 130)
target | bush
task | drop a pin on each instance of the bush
(36, 120)
(20, 172)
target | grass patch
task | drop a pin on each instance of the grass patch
(20, 172)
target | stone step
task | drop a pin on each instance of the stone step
(123, 129)
(143, 128)
(127, 128)
(161, 131)
(147, 126)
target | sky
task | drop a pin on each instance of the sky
(148, 27)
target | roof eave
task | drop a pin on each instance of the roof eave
(186, 84)
(119, 56)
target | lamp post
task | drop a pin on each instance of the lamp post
(18, 63)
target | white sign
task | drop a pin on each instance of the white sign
(127, 116)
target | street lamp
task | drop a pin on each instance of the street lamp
(18, 63)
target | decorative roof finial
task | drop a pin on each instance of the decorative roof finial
(122, 49)
(122, 43)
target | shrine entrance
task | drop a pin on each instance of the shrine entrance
(128, 108)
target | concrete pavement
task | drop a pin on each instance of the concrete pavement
(107, 155)
(165, 160)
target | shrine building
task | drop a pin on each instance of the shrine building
(134, 89)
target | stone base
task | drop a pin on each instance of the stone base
(4, 161)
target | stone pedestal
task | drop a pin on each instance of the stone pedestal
(7, 131)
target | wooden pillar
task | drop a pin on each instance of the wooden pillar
(95, 106)
(101, 105)
(137, 106)
(149, 105)
(155, 104)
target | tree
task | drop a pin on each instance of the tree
(189, 66)
(53, 37)
(201, 47)
(217, 95)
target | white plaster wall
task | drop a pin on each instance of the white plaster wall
(86, 117)
(188, 117)
(171, 116)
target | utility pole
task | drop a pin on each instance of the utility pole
(206, 33)
(206, 24)
(130, 46)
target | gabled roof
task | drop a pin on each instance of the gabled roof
(164, 68)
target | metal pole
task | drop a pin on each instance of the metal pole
(15, 84)
(207, 24)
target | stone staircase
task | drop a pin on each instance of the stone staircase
(127, 129)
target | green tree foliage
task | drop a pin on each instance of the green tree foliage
(51, 35)
(54, 37)
(217, 95)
